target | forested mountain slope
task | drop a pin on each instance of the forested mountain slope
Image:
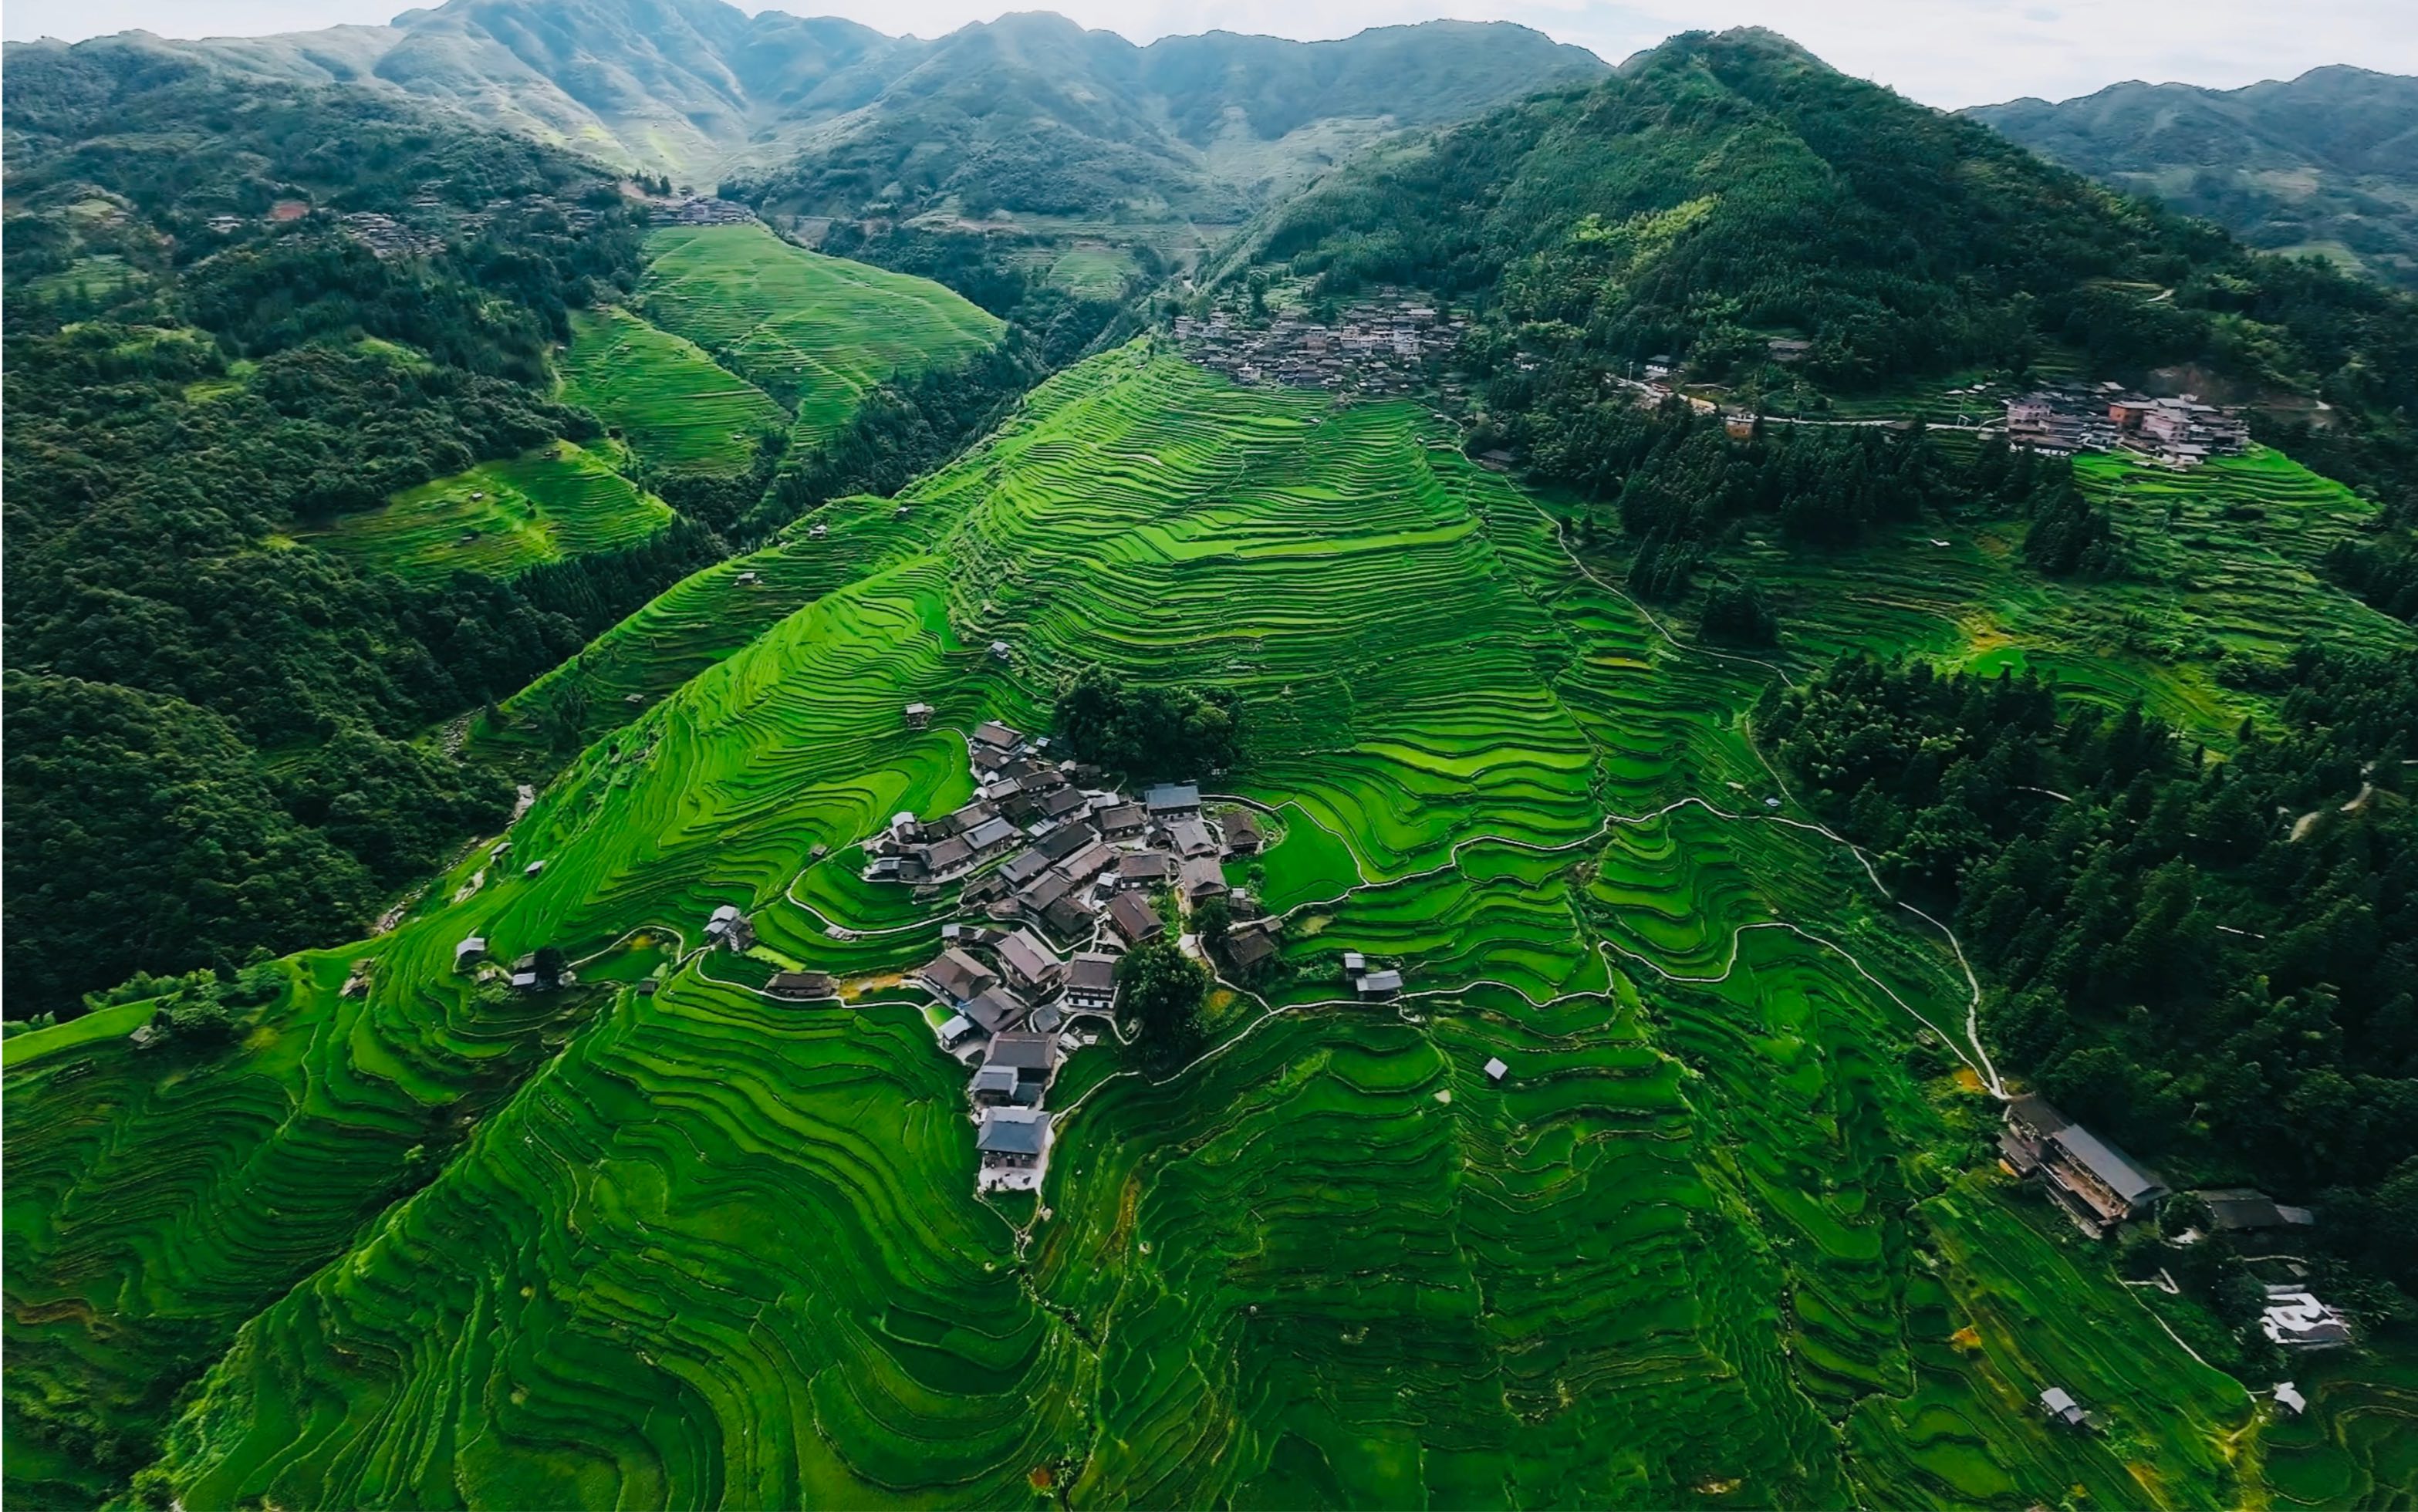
(191, 378)
(290, 480)
(1721, 191)
(2326, 162)
(1028, 111)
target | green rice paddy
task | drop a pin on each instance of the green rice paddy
(502, 518)
(1709, 1242)
(665, 396)
(814, 332)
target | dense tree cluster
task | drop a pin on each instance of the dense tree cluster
(2071, 537)
(1149, 732)
(1678, 482)
(181, 144)
(2383, 574)
(1737, 613)
(2212, 960)
(140, 825)
(1159, 992)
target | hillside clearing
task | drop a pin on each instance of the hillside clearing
(548, 505)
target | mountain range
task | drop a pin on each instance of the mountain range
(1030, 107)
(2326, 162)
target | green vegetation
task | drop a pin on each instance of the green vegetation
(1737, 613)
(814, 332)
(696, 623)
(1668, 1177)
(1728, 1211)
(903, 430)
(175, 436)
(2195, 956)
(501, 517)
(2386, 577)
(151, 810)
(1159, 993)
(666, 397)
(1148, 733)
(2221, 580)
(279, 487)
(1092, 273)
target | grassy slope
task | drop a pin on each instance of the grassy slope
(678, 409)
(813, 332)
(502, 518)
(708, 1249)
(109, 1023)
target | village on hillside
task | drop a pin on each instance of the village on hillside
(1391, 342)
(425, 227)
(1059, 876)
(1063, 875)
(2181, 432)
(1380, 345)
(699, 210)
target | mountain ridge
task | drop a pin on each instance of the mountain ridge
(698, 88)
(2324, 163)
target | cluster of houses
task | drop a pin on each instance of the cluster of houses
(730, 928)
(1370, 985)
(1377, 346)
(388, 237)
(701, 210)
(1059, 877)
(428, 221)
(2179, 432)
(2099, 1187)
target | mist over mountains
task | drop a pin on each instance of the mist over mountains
(1074, 120)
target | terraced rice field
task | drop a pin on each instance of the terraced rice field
(676, 407)
(814, 332)
(1709, 1242)
(2256, 527)
(502, 518)
(2233, 547)
(693, 624)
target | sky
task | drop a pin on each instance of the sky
(1946, 52)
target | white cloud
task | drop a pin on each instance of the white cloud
(1943, 52)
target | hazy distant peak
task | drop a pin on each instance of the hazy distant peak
(1029, 106)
